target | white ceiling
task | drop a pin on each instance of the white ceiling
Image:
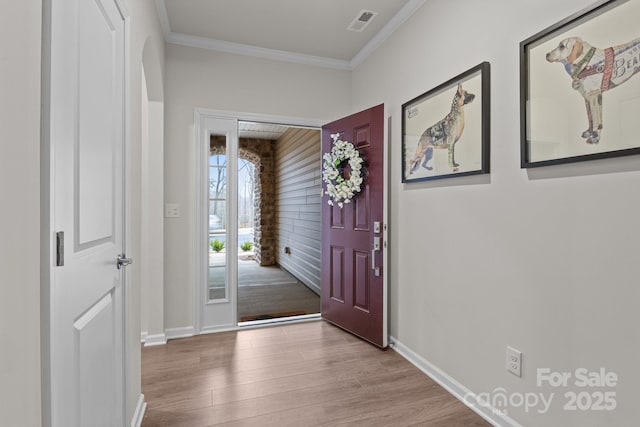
(261, 130)
(313, 32)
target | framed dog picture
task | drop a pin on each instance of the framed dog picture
(445, 132)
(579, 87)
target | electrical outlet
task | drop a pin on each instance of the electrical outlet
(514, 361)
(172, 210)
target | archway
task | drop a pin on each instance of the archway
(151, 208)
(259, 153)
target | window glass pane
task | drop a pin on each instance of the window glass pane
(217, 176)
(217, 252)
(217, 283)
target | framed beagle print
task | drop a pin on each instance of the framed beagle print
(580, 88)
(445, 131)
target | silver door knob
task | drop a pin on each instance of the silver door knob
(123, 261)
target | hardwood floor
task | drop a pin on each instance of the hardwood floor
(305, 374)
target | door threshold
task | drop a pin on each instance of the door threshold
(278, 320)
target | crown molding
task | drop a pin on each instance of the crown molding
(163, 17)
(280, 55)
(394, 23)
(255, 51)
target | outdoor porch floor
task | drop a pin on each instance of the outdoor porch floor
(267, 292)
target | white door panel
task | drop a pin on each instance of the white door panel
(87, 145)
(96, 347)
(98, 56)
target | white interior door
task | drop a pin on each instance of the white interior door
(86, 135)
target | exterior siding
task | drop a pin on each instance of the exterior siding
(298, 187)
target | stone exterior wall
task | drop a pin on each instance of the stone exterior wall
(261, 153)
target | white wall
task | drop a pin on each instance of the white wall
(206, 79)
(544, 260)
(147, 45)
(152, 224)
(20, 30)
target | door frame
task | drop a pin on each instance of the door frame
(386, 216)
(201, 148)
(47, 204)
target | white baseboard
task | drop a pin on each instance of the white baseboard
(155, 339)
(138, 415)
(150, 340)
(184, 332)
(458, 390)
(214, 329)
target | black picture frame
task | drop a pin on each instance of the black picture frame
(431, 124)
(581, 61)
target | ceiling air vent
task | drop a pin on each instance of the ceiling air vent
(362, 20)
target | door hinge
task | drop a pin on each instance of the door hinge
(60, 249)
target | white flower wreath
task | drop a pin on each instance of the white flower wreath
(339, 189)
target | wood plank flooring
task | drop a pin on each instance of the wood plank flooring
(305, 374)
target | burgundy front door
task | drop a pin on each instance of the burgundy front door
(353, 294)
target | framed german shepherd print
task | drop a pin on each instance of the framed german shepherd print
(579, 87)
(445, 131)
